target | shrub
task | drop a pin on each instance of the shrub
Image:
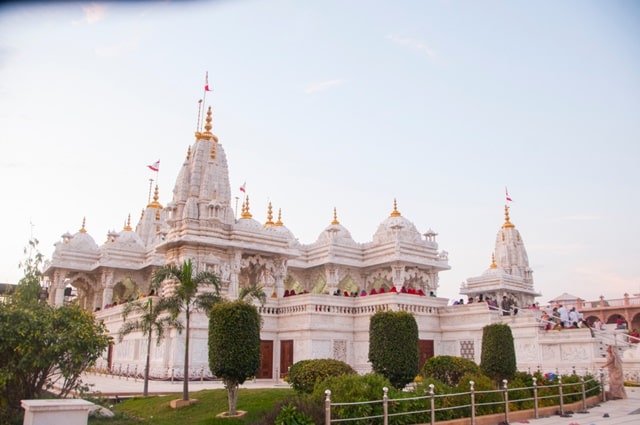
(486, 403)
(353, 388)
(498, 359)
(449, 369)
(304, 374)
(442, 403)
(393, 346)
(298, 408)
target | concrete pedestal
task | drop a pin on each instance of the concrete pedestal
(56, 412)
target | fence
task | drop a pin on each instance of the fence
(423, 409)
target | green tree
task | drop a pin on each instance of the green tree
(498, 358)
(150, 318)
(186, 297)
(449, 369)
(393, 346)
(43, 348)
(234, 345)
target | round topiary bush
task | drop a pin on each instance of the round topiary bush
(449, 369)
(304, 375)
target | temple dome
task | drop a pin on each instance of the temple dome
(336, 233)
(82, 241)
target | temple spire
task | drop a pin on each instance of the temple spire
(507, 224)
(245, 209)
(493, 261)
(155, 203)
(335, 221)
(395, 212)
(279, 222)
(83, 230)
(127, 226)
(207, 134)
(269, 221)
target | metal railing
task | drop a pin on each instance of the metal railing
(466, 404)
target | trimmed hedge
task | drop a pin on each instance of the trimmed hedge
(498, 359)
(304, 374)
(393, 346)
(449, 369)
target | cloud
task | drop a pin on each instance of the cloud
(325, 85)
(419, 45)
(94, 12)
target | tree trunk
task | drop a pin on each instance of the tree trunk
(185, 385)
(232, 396)
(145, 390)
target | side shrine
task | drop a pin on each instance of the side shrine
(320, 295)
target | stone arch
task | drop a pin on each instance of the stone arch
(613, 318)
(125, 290)
(348, 285)
(84, 291)
(291, 284)
(635, 322)
(591, 319)
(319, 286)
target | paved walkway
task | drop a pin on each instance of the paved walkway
(614, 412)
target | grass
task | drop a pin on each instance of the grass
(155, 409)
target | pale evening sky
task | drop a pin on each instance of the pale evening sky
(347, 104)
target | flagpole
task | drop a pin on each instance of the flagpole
(149, 197)
(237, 197)
(199, 112)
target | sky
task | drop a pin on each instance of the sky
(439, 104)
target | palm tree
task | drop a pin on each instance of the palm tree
(185, 298)
(148, 322)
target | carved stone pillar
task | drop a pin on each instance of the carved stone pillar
(234, 281)
(279, 272)
(398, 277)
(107, 285)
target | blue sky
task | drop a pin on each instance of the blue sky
(346, 104)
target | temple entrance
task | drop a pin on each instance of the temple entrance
(266, 360)
(286, 356)
(425, 347)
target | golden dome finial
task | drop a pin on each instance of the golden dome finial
(155, 203)
(245, 209)
(207, 134)
(279, 222)
(127, 227)
(189, 153)
(493, 261)
(335, 221)
(269, 221)
(507, 224)
(83, 230)
(395, 212)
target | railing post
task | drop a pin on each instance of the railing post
(385, 406)
(506, 401)
(561, 396)
(327, 407)
(584, 395)
(473, 403)
(602, 391)
(433, 404)
(535, 397)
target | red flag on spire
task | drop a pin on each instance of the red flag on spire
(506, 193)
(155, 166)
(206, 81)
(243, 188)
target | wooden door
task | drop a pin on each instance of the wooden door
(286, 356)
(426, 351)
(266, 360)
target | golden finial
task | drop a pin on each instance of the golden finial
(213, 151)
(507, 224)
(127, 227)
(395, 212)
(335, 221)
(207, 134)
(189, 153)
(245, 209)
(493, 261)
(155, 203)
(83, 230)
(269, 216)
(279, 222)
(158, 214)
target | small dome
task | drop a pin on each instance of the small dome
(336, 233)
(397, 225)
(129, 240)
(82, 241)
(249, 224)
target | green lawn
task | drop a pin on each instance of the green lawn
(156, 410)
